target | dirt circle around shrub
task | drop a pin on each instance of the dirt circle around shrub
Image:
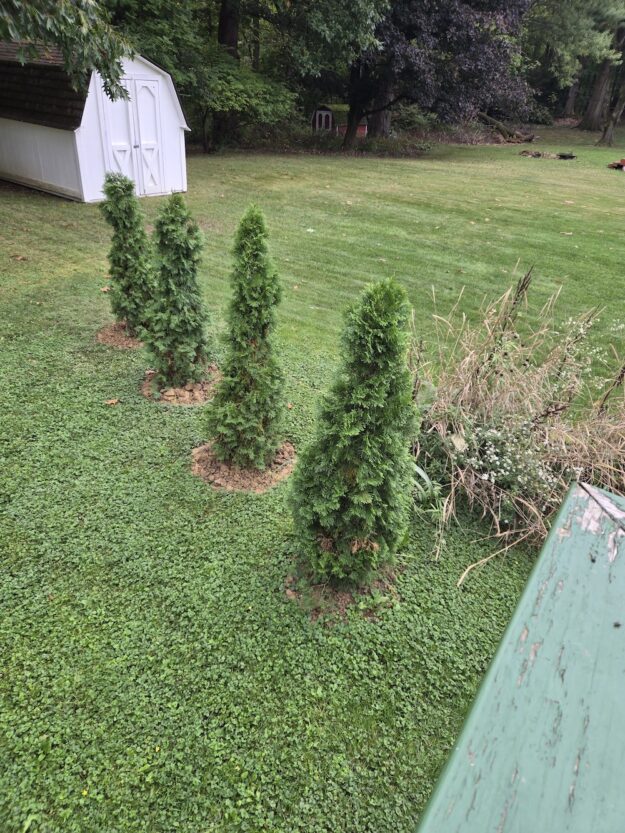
(193, 393)
(233, 478)
(116, 335)
(329, 604)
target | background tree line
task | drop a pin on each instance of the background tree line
(242, 65)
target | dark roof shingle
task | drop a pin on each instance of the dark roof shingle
(38, 91)
(20, 51)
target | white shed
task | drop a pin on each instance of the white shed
(62, 141)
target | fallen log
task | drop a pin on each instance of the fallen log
(510, 135)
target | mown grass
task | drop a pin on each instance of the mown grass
(153, 675)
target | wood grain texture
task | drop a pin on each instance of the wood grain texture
(543, 747)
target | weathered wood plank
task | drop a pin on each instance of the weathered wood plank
(543, 748)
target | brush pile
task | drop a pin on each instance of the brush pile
(513, 412)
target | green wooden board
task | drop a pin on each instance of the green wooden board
(543, 747)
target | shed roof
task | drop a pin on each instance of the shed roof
(22, 51)
(542, 748)
(35, 88)
(38, 91)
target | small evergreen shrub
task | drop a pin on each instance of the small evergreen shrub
(245, 417)
(352, 488)
(175, 331)
(131, 269)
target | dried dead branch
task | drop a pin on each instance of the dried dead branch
(509, 417)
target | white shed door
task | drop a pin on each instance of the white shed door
(120, 129)
(134, 135)
(148, 135)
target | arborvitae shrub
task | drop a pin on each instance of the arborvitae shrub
(352, 488)
(245, 416)
(176, 322)
(131, 269)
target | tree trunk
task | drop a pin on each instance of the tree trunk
(228, 29)
(380, 118)
(607, 137)
(380, 124)
(226, 124)
(205, 139)
(571, 100)
(359, 97)
(594, 116)
(353, 120)
(256, 42)
(225, 128)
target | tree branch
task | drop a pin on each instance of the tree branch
(385, 107)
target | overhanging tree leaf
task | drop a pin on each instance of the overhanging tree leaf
(80, 29)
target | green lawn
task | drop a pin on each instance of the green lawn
(153, 675)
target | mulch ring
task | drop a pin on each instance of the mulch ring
(331, 604)
(232, 478)
(193, 393)
(116, 335)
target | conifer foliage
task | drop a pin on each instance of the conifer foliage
(244, 420)
(130, 263)
(352, 488)
(177, 320)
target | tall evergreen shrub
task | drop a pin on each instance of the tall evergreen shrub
(131, 269)
(244, 420)
(352, 488)
(177, 320)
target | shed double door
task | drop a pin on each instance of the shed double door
(133, 135)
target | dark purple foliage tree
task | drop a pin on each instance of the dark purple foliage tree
(451, 57)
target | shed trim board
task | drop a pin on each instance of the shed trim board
(543, 746)
(71, 161)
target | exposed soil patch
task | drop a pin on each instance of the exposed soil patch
(235, 479)
(331, 604)
(116, 335)
(193, 393)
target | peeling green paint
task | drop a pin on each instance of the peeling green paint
(544, 744)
